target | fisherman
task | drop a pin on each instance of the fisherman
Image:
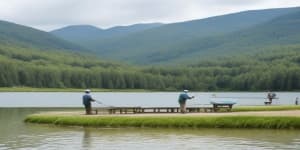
(271, 96)
(182, 100)
(87, 99)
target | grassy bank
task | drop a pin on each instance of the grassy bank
(265, 108)
(30, 89)
(170, 122)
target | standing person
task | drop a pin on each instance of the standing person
(86, 100)
(297, 101)
(182, 100)
(271, 96)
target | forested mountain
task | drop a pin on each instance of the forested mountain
(14, 34)
(170, 42)
(89, 36)
(275, 69)
(262, 56)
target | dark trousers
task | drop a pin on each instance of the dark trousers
(88, 109)
(182, 107)
(270, 100)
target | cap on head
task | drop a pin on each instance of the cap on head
(185, 91)
(87, 91)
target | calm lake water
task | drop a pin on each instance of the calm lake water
(70, 99)
(18, 135)
(15, 134)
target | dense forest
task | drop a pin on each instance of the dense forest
(275, 68)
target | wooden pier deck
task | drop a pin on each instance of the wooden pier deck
(137, 109)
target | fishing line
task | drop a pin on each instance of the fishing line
(101, 103)
(194, 101)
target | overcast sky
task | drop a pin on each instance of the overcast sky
(51, 14)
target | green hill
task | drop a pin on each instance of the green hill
(34, 58)
(11, 33)
(276, 68)
(175, 41)
(89, 36)
(77, 33)
(279, 31)
(262, 56)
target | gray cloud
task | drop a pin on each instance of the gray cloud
(51, 14)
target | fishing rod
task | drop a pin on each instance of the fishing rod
(101, 103)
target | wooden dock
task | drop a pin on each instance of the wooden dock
(137, 110)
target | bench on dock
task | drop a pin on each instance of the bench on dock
(218, 105)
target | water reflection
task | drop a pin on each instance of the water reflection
(17, 135)
(86, 140)
(189, 139)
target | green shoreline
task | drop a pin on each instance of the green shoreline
(262, 122)
(177, 121)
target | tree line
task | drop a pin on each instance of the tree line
(276, 69)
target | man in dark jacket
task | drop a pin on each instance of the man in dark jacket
(182, 100)
(87, 99)
(271, 96)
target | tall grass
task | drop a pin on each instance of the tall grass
(171, 122)
(265, 108)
